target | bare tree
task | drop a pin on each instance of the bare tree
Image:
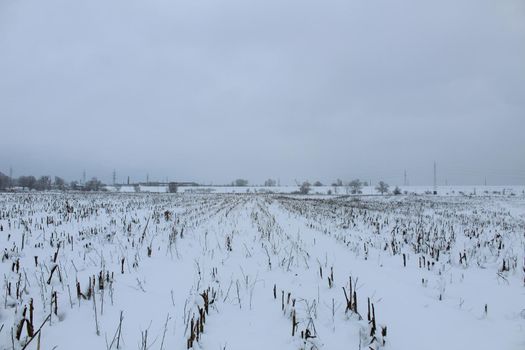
(396, 191)
(355, 186)
(60, 184)
(241, 182)
(28, 182)
(74, 185)
(173, 187)
(93, 185)
(338, 183)
(43, 183)
(4, 181)
(382, 187)
(270, 183)
(305, 188)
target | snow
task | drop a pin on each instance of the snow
(176, 246)
(126, 189)
(153, 189)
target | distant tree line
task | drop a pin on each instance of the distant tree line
(356, 187)
(47, 183)
(4, 181)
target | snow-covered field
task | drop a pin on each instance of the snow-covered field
(262, 271)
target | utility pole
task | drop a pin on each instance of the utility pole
(485, 181)
(435, 178)
(147, 179)
(84, 176)
(114, 177)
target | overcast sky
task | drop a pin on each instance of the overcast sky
(210, 91)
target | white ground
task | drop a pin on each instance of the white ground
(240, 246)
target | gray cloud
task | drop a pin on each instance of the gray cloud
(210, 91)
